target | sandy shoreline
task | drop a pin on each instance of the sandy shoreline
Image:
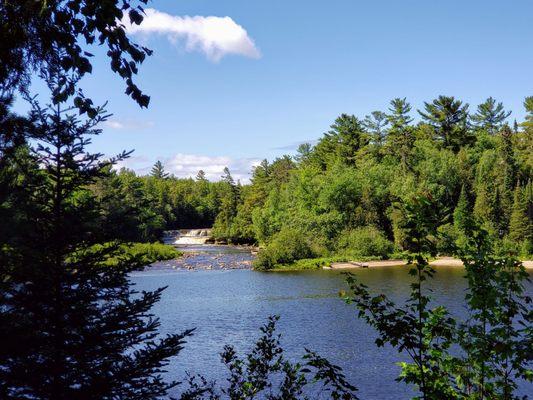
(440, 262)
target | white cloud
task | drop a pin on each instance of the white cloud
(114, 124)
(127, 124)
(187, 166)
(216, 37)
(140, 164)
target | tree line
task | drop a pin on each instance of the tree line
(340, 196)
(74, 326)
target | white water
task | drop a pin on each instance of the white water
(193, 236)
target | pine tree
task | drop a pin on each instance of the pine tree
(448, 118)
(528, 200)
(261, 180)
(498, 218)
(228, 206)
(226, 177)
(490, 116)
(73, 327)
(398, 115)
(375, 123)
(528, 105)
(519, 224)
(462, 214)
(200, 176)
(400, 135)
(350, 137)
(303, 153)
(507, 153)
(158, 171)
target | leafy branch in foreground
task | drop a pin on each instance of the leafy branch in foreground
(491, 349)
(41, 36)
(424, 334)
(497, 337)
(265, 373)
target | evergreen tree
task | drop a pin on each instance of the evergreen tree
(303, 153)
(200, 176)
(280, 169)
(528, 200)
(462, 215)
(400, 135)
(519, 225)
(228, 206)
(524, 142)
(528, 105)
(71, 326)
(490, 116)
(351, 137)
(507, 153)
(499, 216)
(448, 117)
(375, 123)
(341, 143)
(324, 153)
(260, 183)
(127, 209)
(398, 116)
(158, 171)
(227, 178)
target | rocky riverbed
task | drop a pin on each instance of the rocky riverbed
(208, 257)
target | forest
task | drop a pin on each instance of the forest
(341, 197)
(74, 324)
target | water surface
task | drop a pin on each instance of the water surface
(227, 306)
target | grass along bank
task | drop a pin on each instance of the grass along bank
(148, 252)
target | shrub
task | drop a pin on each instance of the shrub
(266, 373)
(146, 252)
(286, 246)
(367, 241)
(153, 251)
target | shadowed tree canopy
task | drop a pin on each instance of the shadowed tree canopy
(38, 35)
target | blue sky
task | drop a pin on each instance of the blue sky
(299, 65)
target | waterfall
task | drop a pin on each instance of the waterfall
(193, 236)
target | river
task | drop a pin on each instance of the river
(214, 291)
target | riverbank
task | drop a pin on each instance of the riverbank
(147, 252)
(340, 264)
(439, 262)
